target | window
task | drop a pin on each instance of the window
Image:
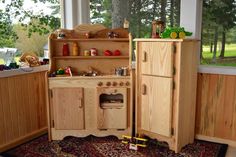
(140, 14)
(218, 33)
(25, 26)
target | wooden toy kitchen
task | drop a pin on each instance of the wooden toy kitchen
(91, 93)
(91, 86)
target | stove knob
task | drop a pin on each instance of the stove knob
(108, 83)
(121, 83)
(100, 84)
(127, 83)
(114, 83)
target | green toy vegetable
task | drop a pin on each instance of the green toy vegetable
(60, 71)
(175, 32)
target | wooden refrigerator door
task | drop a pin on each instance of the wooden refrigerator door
(156, 58)
(156, 105)
(68, 107)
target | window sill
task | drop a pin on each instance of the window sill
(23, 71)
(223, 70)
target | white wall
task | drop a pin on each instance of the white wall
(75, 12)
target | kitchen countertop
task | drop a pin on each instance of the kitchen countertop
(22, 71)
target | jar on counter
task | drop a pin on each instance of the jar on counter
(94, 52)
(86, 53)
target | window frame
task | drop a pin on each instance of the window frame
(190, 18)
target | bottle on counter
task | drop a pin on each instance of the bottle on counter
(65, 49)
(75, 49)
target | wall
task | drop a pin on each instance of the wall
(22, 108)
(216, 106)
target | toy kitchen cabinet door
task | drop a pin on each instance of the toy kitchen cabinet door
(68, 108)
(156, 105)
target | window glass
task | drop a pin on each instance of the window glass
(140, 14)
(25, 26)
(218, 33)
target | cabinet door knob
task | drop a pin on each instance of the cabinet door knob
(144, 89)
(144, 56)
(80, 103)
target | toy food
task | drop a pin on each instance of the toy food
(75, 49)
(175, 32)
(112, 35)
(87, 35)
(65, 49)
(107, 53)
(68, 71)
(94, 52)
(117, 53)
(86, 53)
(30, 59)
(60, 71)
(52, 74)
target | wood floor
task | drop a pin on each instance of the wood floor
(231, 152)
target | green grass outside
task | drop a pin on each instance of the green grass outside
(230, 51)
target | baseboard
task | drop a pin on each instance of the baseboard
(22, 139)
(215, 139)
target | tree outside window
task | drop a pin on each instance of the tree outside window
(140, 14)
(218, 33)
(26, 24)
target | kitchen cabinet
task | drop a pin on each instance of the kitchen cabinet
(68, 108)
(166, 73)
(22, 107)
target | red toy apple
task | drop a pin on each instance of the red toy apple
(117, 53)
(107, 53)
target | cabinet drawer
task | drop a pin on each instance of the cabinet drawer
(68, 108)
(156, 104)
(156, 58)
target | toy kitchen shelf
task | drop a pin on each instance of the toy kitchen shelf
(91, 39)
(80, 105)
(90, 57)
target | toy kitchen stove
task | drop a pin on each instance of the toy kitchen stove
(112, 101)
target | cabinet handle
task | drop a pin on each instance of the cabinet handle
(144, 89)
(80, 103)
(144, 57)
